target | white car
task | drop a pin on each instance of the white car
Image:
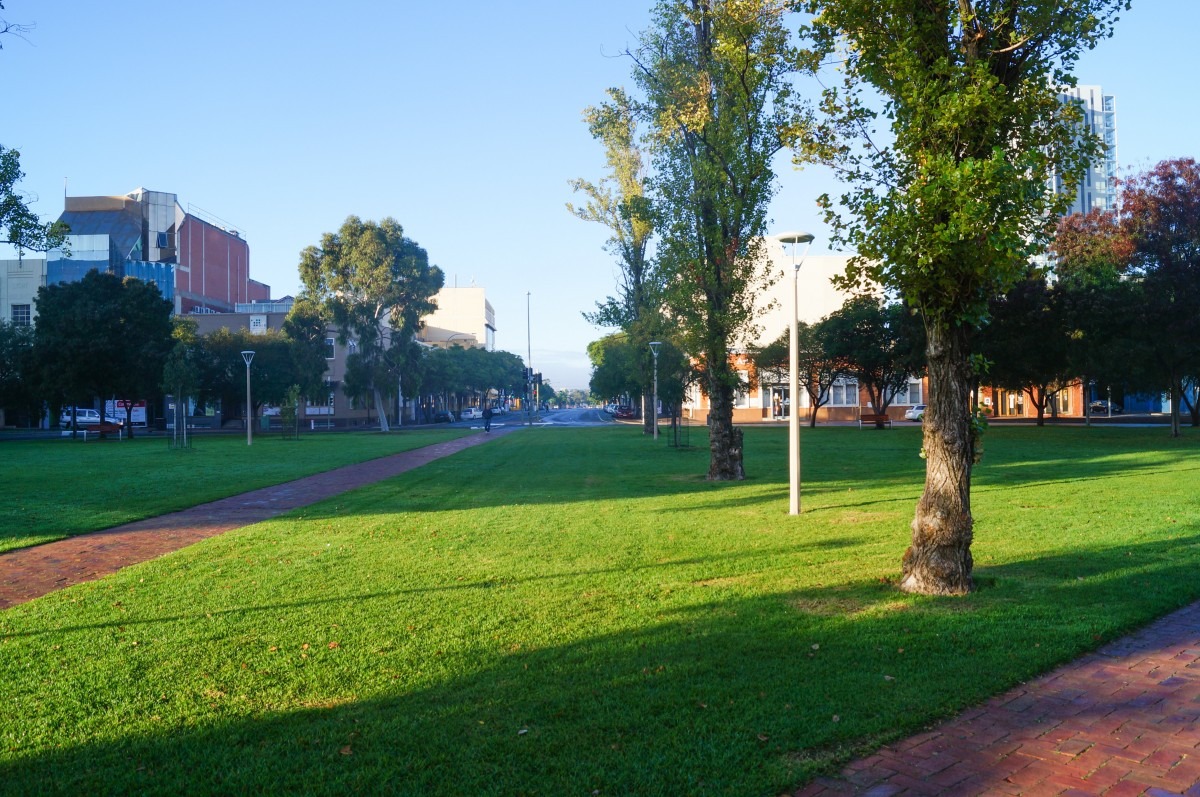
(915, 413)
(470, 414)
(86, 417)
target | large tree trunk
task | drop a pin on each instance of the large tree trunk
(724, 441)
(939, 560)
(1176, 393)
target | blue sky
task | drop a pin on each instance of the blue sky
(461, 120)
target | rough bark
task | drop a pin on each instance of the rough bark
(725, 441)
(939, 560)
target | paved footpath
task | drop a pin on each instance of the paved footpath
(28, 573)
(1124, 720)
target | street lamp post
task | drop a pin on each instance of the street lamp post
(794, 238)
(654, 344)
(248, 356)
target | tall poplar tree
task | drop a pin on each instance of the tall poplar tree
(619, 203)
(948, 201)
(718, 102)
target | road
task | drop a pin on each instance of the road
(586, 416)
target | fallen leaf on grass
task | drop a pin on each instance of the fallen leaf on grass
(346, 750)
(522, 732)
(333, 645)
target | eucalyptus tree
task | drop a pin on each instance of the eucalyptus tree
(716, 80)
(99, 337)
(947, 203)
(376, 284)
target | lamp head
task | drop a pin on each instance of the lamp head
(654, 344)
(247, 356)
(794, 237)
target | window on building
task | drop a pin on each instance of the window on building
(909, 395)
(330, 349)
(844, 393)
(21, 316)
(741, 398)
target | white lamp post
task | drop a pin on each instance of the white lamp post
(654, 344)
(248, 356)
(794, 238)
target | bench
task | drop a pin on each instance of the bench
(100, 430)
(877, 420)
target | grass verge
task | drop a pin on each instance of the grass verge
(63, 487)
(578, 611)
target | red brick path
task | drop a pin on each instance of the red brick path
(28, 573)
(1124, 720)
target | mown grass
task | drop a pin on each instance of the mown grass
(579, 612)
(59, 488)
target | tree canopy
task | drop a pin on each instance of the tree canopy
(101, 337)
(947, 201)
(376, 285)
(718, 102)
(19, 225)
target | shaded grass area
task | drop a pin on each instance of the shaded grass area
(578, 611)
(59, 488)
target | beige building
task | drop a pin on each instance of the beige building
(464, 317)
(19, 283)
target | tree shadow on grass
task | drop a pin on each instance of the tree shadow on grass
(727, 694)
(709, 560)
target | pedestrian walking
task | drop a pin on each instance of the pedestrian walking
(487, 418)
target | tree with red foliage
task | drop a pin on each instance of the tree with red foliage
(1161, 216)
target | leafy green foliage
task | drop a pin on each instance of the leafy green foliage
(620, 204)
(952, 209)
(20, 226)
(376, 284)
(818, 368)
(878, 344)
(17, 396)
(715, 75)
(99, 337)
(947, 200)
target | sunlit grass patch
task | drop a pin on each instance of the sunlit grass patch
(566, 611)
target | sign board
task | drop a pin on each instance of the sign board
(116, 409)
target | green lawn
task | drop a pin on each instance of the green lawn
(579, 612)
(62, 487)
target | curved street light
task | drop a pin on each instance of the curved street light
(794, 238)
(248, 356)
(654, 344)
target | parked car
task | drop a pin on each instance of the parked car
(625, 413)
(1102, 407)
(915, 413)
(86, 417)
(470, 414)
(442, 416)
